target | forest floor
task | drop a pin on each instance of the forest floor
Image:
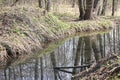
(26, 30)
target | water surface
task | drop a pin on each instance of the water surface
(74, 52)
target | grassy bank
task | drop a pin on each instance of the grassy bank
(24, 31)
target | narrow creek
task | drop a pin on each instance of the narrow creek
(74, 52)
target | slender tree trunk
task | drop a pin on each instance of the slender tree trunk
(40, 3)
(48, 5)
(89, 9)
(104, 7)
(97, 6)
(81, 9)
(113, 7)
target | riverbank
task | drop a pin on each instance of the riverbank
(24, 30)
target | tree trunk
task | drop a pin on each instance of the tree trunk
(97, 6)
(113, 7)
(104, 7)
(48, 5)
(40, 3)
(89, 9)
(81, 9)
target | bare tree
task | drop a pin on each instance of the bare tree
(97, 7)
(113, 7)
(104, 7)
(40, 2)
(86, 12)
(81, 9)
(47, 5)
(89, 9)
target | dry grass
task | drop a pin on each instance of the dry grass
(67, 9)
(25, 30)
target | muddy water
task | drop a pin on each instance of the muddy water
(74, 52)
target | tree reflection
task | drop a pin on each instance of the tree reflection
(95, 47)
(36, 70)
(20, 69)
(53, 60)
(41, 67)
(77, 55)
(87, 49)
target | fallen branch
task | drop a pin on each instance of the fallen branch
(64, 71)
(94, 67)
(85, 65)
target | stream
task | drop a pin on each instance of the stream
(76, 51)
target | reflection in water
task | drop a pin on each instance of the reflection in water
(78, 55)
(77, 51)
